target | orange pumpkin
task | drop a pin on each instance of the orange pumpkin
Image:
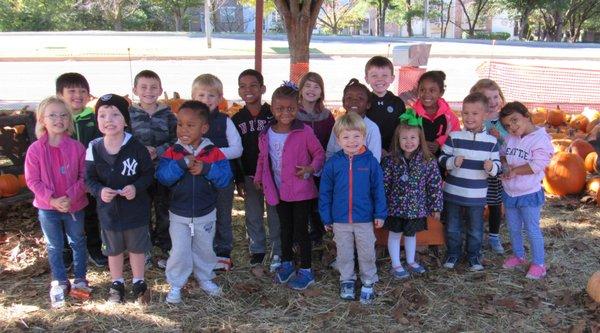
(561, 144)
(173, 103)
(590, 162)
(590, 114)
(235, 108)
(581, 148)
(593, 287)
(556, 117)
(579, 122)
(592, 185)
(21, 179)
(538, 116)
(223, 105)
(565, 174)
(9, 185)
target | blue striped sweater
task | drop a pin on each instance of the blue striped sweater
(467, 185)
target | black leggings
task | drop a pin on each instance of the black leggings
(293, 218)
(494, 219)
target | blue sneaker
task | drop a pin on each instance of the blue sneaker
(367, 294)
(347, 290)
(302, 280)
(450, 262)
(415, 268)
(399, 273)
(284, 272)
(496, 244)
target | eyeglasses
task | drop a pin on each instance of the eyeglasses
(52, 116)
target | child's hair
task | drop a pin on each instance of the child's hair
(379, 61)
(476, 97)
(70, 80)
(354, 83)
(210, 81)
(488, 84)
(350, 121)
(40, 113)
(436, 76)
(316, 78)
(251, 72)
(148, 74)
(513, 107)
(285, 91)
(199, 109)
(395, 149)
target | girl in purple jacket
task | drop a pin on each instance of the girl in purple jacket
(54, 171)
(289, 155)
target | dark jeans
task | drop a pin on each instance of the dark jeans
(494, 218)
(92, 227)
(159, 229)
(293, 217)
(223, 243)
(316, 225)
(473, 217)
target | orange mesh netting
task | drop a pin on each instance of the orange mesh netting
(298, 70)
(407, 83)
(570, 88)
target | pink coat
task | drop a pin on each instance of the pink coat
(301, 147)
(39, 179)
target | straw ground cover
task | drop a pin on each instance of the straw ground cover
(493, 300)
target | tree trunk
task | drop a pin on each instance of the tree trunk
(118, 25)
(178, 21)
(524, 24)
(409, 28)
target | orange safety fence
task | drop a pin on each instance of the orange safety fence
(408, 77)
(298, 70)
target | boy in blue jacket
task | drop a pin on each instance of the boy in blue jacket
(194, 168)
(351, 200)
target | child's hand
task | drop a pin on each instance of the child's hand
(241, 190)
(458, 160)
(152, 152)
(435, 215)
(509, 173)
(196, 168)
(378, 223)
(328, 227)
(61, 204)
(128, 192)
(304, 171)
(433, 146)
(258, 185)
(107, 194)
(488, 165)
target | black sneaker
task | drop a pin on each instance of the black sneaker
(97, 258)
(116, 293)
(140, 292)
(257, 259)
(68, 259)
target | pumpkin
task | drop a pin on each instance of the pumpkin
(579, 122)
(581, 148)
(556, 117)
(593, 287)
(592, 185)
(434, 235)
(565, 174)
(590, 162)
(21, 179)
(538, 116)
(9, 185)
(561, 144)
(233, 109)
(223, 105)
(590, 114)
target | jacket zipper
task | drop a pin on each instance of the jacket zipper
(350, 188)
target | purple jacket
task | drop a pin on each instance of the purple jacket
(301, 147)
(39, 179)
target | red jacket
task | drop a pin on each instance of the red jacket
(436, 127)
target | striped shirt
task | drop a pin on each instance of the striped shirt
(467, 185)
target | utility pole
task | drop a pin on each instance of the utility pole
(426, 17)
(258, 35)
(207, 23)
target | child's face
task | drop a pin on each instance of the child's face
(351, 141)
(518, 125)
(356, 100)
(473, 115)
(75, 97)
(110, 120)
(284, 110)
(190, 127)
(429, 93)
(409, 140)
(208, 96)
(380, 79)
(494, 101)
(250, 90)
(311, 91)
(148, 90)
(56, 119)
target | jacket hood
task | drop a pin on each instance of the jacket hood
(188, 148)
(443, 108)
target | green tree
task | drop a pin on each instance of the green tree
(177, 9)
(474, 12)
(522, 10)
(114, 11)
(336, 15)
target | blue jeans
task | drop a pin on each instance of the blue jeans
(473, 215)
(52, 223)
(528, 219)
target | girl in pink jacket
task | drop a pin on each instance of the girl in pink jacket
(54, 172)
(289, 155)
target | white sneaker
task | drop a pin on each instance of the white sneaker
(275, 263)
(174, 296)
(210, 288)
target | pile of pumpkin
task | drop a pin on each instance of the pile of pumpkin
(573, 167)
(11, 185)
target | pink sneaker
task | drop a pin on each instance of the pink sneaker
(536, 272)
(513, 262)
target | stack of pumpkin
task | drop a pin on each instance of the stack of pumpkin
(11, 185)
(575, 155)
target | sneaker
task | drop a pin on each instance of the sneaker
(81, 289)
(257, 259)
(450, 262)
(148, 261)
(68, 259)
(347, 290)
(82, 284)
(333, 264)
(224, 264)
(275, 263)
(116, 293)
(211, 288)
(536, 272)
(303, 279)
(399, 273)
(415, 268)
(140, 292)
(495, 243)
(174, 296)
(66, 287)
(162, 263)
(284, 272)
(367, 294)
(475, 264)
(513, 262)
(97, 258)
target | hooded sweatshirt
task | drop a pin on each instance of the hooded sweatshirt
(158, 130)
(437, 126)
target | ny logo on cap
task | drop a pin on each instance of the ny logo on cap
(106, 97)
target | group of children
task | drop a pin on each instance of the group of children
(380, 165)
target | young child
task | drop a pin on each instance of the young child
(54, 171)
(208, 89)
(289, 155)
(351, 201)
(527, 153)
(252, 119)
(386, 107)
(413, 187)
(438, 118)
(470, 156)
(356, 98)
(154, 126)
(74, 90)
(193, 169)
(118, 173)
(492, 123)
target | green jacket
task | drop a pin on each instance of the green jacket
(85, 127)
